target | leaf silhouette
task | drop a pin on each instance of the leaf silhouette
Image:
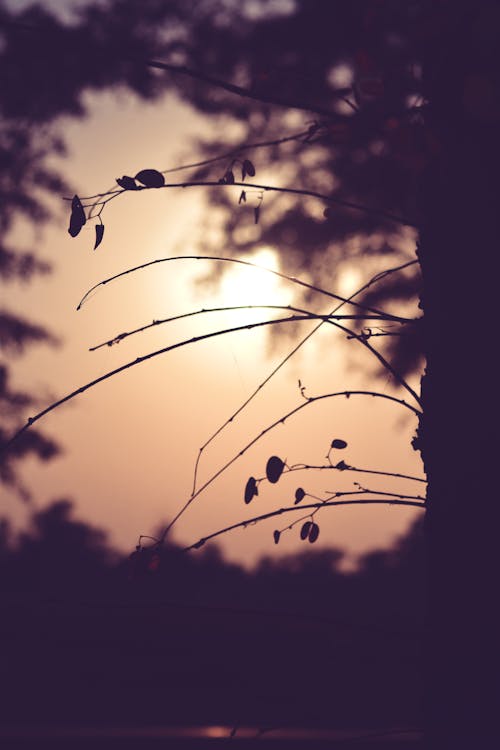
(299, 495)
(77, 218)
(248, 168)
(274, 469)
(251, 490)
(199, 544)
(229, 177)
(313, 533)
(243, 197)
(99, 234)
(150, 178)
(126, 182)
(304, 532)
(339, 444)
(256, 214)
(276, 536)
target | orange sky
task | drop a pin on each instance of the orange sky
(130, 443)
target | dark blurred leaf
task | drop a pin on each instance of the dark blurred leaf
(313, 533)
(229, 177)
(77, 218)
(248, 168)
(339, 444)
(250, 489)
(150, 178)
(274, 469)
(126, 182)
(243, 197)
(276, 536)
(199, 544)
(299, 495)
(99, 234)
(305, 529)
(256, 214)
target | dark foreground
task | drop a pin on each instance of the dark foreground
(201, 739)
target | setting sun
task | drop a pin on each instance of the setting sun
(242, 285)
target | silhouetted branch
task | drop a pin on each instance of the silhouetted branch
(293, 508)
(303, 135)
(145, 358)
(240, 261)
(342, 466)
(387, 365)
(281, 420)
(254, 94)
(328, 199)
(328, 501)
(375, 279)
(291, 308)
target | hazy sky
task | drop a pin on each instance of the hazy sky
(130, 444)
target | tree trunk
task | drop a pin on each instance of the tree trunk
(458, 251)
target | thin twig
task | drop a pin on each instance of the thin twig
(383, 361)
(240, 261)
(253, 94)
(346, 467)
(292, 508)
(375, 279)
(329, 199)
(140, 360)
(309, 400)
(291, 308)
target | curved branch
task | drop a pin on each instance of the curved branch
(303, 134)
(291, 308)
(250, 264)
(292, 508)
(251, 93)
(387, 365)
(140, 360)
(375, 279)
(329, 199)
(310, 400)
(342, 466)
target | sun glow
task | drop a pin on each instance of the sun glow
(245, 285)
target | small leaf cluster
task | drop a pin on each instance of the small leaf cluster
(145, 178)
(274, 469)
(149, 178)
(247, 168)
(78, 219)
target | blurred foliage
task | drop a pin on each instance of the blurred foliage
(352, 69)
(199, 640)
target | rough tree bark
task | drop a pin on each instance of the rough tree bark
(458, 252)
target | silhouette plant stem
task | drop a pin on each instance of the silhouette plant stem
(254, 94)
(250, 264)
(346, 467)
(302, 135)
(387, 365)
(291, 308)
(375, 279)
(294, 508)
(140, 360)
(322, 502)
(329, 199)
(281, 420)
